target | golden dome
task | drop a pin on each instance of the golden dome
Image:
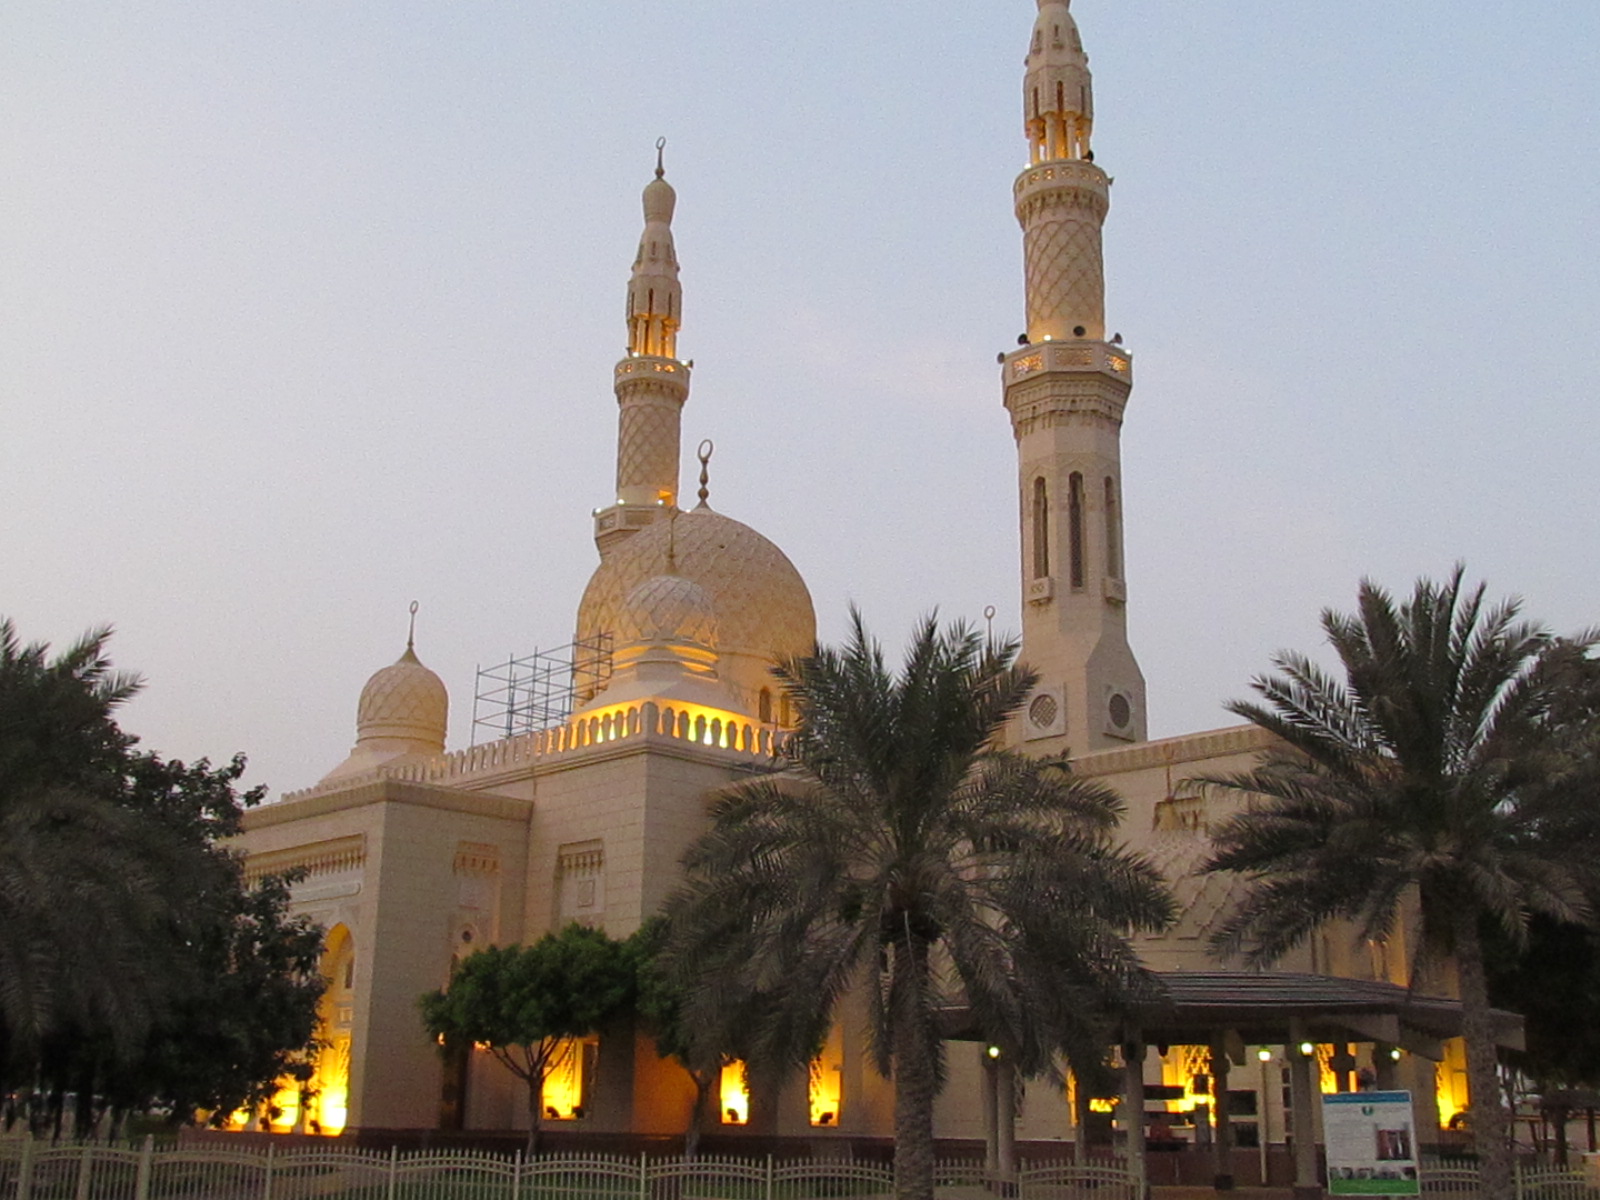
(405, 701)
(762, 607)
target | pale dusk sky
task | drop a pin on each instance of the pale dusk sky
(308, 310)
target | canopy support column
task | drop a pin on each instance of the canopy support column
(1302, 1095)
(1005, 1102)
(1133, 1051)
(1222, 1179)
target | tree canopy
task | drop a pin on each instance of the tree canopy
(135, 965)
(525, 1004)
(902, 853)
(1447, 764)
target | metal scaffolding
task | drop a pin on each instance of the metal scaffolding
(539, 690)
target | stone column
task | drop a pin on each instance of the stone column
(1005, 1097)
(1005, 1111)
(991, 1115)
(1133, 1051)
(1303, 1094)
(1222, 1178)
(1384, 1068)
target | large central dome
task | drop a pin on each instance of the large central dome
(762, 607)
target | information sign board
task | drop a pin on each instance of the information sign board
(1371, 1145)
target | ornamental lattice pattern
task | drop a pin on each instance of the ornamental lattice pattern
(406, 694)
(647, 445)
(1065, 271)
(760, 603)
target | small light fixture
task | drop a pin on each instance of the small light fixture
(993, 1051)
(1394, 1053)
(1264, 1054)
(1307, 1049)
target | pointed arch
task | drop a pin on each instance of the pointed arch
(335, 1018)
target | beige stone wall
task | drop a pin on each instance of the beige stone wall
(416, 874)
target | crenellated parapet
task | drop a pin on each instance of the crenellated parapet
(625, 727)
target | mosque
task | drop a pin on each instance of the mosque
(414, 855)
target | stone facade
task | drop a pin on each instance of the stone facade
(414, 857)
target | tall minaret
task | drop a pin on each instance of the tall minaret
(651, 383)
(1066, 387)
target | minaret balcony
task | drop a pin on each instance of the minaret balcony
(617, 522)
(1075, 182)
(647, 366)
(1076, 357)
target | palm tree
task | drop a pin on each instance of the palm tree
(1436, 772)
(82, 879)
(904, 853)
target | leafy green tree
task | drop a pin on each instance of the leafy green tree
(134, 962)
(248, 1020)
(524, 1003)
(1443, 766)
(904, 854)
(659, 1003)
(1552, 979)
(719, 1031)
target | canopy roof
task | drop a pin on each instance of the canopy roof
(1256, 1008)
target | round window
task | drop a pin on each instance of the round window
(1120, 710)
(1043, 711)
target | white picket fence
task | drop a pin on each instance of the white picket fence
(39, 1171)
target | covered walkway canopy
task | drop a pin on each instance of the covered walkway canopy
(1280, 1007)
(1230, 1010)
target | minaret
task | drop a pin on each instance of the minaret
(651, 384)
(1066, 387)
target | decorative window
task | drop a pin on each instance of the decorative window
(1075, 528)
(764, 706)
(563, 1093)
(1113, 531)
(1041, 528)
(580, 884)
(734, 1094)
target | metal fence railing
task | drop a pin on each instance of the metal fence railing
(31, 1170)
(1448, 1179)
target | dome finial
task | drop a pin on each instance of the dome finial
(410, 637)
(704, 455)
(661, 150)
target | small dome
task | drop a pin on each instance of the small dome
(761, 604)
(668, 608)
(404, 701)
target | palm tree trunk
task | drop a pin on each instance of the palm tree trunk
(915, 1070)
(1483, 1077)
